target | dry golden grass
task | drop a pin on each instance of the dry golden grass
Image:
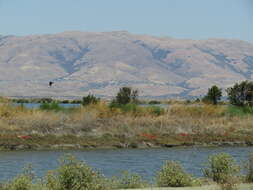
(177, 125)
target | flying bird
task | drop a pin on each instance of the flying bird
(51, 83)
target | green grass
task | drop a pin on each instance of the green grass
(54, 106)
(156, 110)
(239, 111)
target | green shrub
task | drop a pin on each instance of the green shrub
(197, 100)
(21, 100)
(21, 182)
(188, 102)
(76, 102)
(220, 168)
(90, 99)
(44, 100)
(128, 181)
(124, 107)
(156, 110)
(154, 102)
(230, 184)
(249, 169)
(128, 107)
(75, 175)
(239, 111)
(51, 107)
(65, 101)
(173, 175)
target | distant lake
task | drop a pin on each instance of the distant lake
(37, 105)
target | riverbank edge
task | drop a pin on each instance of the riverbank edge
(143, 145)
(206, 187)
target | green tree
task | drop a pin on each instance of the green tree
(241, 94)
(90, 99)
(126, 95)
(213, 95)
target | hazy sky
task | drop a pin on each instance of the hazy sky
(196, 19)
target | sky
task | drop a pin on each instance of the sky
(191, 19)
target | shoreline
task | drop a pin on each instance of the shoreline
(146, 145)
(205, 187)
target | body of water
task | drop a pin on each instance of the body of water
(37, 105)
(145, 162)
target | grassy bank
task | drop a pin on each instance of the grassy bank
(129, 126)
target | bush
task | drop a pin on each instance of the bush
(239, 111)
(188, 102)
(197, 100)
(126, 95)
(173, 175)
(44, 100)
(221, 168)
(249, 169)
(231, 184)
(51, 107)
(124, 107)
(156, 110)
(154, 102)
(128, 180)
(21, 101)
(65, 101)
(21, 182)
(76, 102)
(90, 99)
(75, 175)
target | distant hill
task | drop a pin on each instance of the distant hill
(100, 63)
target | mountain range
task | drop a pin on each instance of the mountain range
(100, 63)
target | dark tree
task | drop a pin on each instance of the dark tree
(213, 95)
(90, 99)
(126, 95)
(241, 94)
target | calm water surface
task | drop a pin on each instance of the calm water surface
(146, 162)
(37, 105)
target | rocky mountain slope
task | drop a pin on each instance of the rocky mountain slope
(100, 63)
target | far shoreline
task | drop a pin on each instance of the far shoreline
(78, 147)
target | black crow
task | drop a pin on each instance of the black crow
(51, 83)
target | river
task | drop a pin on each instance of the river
(145, 162)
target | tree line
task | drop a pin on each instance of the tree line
(241, 94)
